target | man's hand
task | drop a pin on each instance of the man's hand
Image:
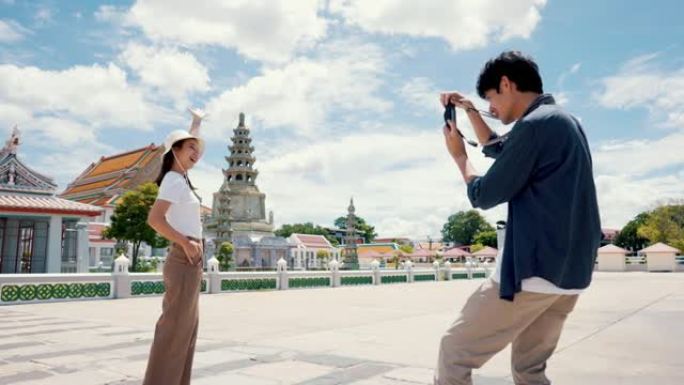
(454, 141)
(457, 99)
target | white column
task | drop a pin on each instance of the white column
(54, 252)
(82, 252)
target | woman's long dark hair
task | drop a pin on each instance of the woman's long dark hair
(167, 164)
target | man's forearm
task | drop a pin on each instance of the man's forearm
(467, 170)
(482, 130)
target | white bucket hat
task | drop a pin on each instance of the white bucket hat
(177, 135)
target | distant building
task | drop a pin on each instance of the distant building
(609, 236)
(39, 232)
(304, 255)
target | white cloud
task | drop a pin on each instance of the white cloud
(43, 15)
(111, 13)
(634, 175)
(561, 98)
(464, 24)
(207, 178)
(405, 184)
(98, 95)
(345, 76)
(640, 157)
(11, 31)
(421, 94)
(58, 131)
(265, 30)
(169, 71)
(622, 197)
(642, 83)
(575, 68)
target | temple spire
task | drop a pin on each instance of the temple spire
(241, 169)
(351, 259)
(12, 144)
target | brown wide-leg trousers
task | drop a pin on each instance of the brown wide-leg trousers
(173, 348)
(487, 324)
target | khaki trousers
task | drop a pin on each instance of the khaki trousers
(487, 324)
(173, 348)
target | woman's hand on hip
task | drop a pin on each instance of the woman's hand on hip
(193, 251)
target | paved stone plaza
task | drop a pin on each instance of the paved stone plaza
(628, 329)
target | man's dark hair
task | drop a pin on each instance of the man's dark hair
(518, 68)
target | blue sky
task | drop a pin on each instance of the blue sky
(341, 95)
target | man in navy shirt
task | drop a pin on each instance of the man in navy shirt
(543, 170)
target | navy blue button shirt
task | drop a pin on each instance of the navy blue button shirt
(543, 169)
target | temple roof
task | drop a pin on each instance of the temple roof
(15, 176)
(102, 182)
(46, 205)
(312, 241)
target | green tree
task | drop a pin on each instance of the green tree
(305, 228)
(129, 220)
(628, 238)
(665, 224)
(368, 231)
(323, 256)
(486, 238)
(475, 247)
(225, 256)
(463, 226)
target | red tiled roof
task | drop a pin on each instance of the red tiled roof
(659, 248)
(611, 249)
(310, 240)
(46, 204)
(488, 251)
(95, 233)
(456, 252)
(423, 253)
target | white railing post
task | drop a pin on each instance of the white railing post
(469, 267)
(375, 265)
(122, 280)
(435, 265)
(334, 267)
(213, 273)
(282, 274)
(447, 270)
(408, 265)
(485, 265)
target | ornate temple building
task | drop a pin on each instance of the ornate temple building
(39, 232)
(239, 209)
(103, 182)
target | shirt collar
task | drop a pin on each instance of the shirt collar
(541, 99)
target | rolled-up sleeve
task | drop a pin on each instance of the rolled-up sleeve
(515, 160)
(493, 150)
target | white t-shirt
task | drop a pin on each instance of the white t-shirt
(184, 213)
(533, 284)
